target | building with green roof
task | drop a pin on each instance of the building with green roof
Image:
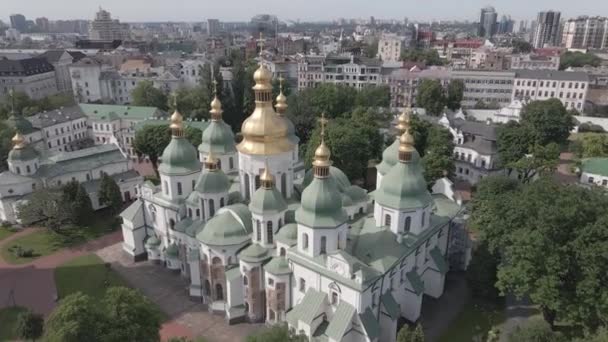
(594, 171)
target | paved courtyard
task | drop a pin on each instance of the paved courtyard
(168, 290)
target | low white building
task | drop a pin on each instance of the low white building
(570, 87)
(33, 76)
(356, 72)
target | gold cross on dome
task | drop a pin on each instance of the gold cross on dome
(214, 87)
(323, 121)
(281, 79)
(261, 43)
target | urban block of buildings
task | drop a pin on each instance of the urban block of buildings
(261, 240)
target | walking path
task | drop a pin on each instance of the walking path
(32, 285)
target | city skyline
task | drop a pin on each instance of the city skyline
(191, 10)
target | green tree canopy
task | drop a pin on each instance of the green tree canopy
(481, 274)
(426, 56)
(409, 334)
(30, 325)
(133, 317)
(522, 46)
(455, 94)
(592, 146)
(536, 330)
(77, 318)
(431, 97)
(552, 240)
(145, 94)
(46, 208)
(109, 193)
(76, 198)
(549, 120)
(578, 59)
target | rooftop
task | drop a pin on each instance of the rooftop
(55, 117)
(553, 75)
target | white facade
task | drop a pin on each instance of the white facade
(569, 87)
(346, 70)
(389, 50)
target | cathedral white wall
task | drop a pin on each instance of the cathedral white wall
(234, 293)
(263, 220)
(133, 239)
(388, 328)
(24, 168)
(315, 236)
(433, 282)
(171, 185)
(228, 163)
(253, 165)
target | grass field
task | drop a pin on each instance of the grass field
(473, 323)
(5, 232)
(87, 274)
(44, 241)
(8, 322)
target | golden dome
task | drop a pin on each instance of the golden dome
(18, 141)
(322, 155)
(211, 162)
(404, 120)
(281, 105)
(406, 142)
(216, 109)
(262, 78)
(176, 120)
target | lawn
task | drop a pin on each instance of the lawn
(474, 322)
(8, 322)
(5, 232)
(87, 274)
(45, 241)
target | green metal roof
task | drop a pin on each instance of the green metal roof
(152, 241)
(390, 157)
(308, 309)
(114, 112)
(372, 328)
(26, 153)
(81, 160)
(439, 260)
(230, 226)
(278, 266)
(415, 280)
(390, 304)
(356, 193)
(596, 166)
(404, 187)
(212, 182)
(340, 321)
(172, 251)
(201, 125)
(338, 176)
(267, 200)
(288, 234)
(217, 138)
(183, 224)
(254, 253)
(179, 157)
(321, 205)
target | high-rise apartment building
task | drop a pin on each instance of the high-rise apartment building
(487, 22)
(43, 24)
(18, 22)
(586, 33)
(103, 27)
(389, 49)
(547, 29)
(213, 27)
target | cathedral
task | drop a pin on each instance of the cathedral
(260, 240)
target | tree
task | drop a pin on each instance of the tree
(371, 49)
(481, 274)
(6, 145)
(407, 334)
(30, 325)
(551, 239)
(276, 333)
(426, 56)
(109, 193)
(76, 198)
(77, 318)
(46, 208)
(145, 94)
(455, 94)
(521, 46)
(578, 59)
(536, 330)
(549, 120)
(591, 146)
(431, 97)
(151, 141)
(132, 316)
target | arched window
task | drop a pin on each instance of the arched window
(153, 213)
(189, 212)
(408, 224)
(193, 184)
(222, 202)
(166, 186)
(219, 164)
(302, 285)
(305, 241)
(203, 208)
(171, 224)
(334, 298)
(323, 245)
(258, 230)
(18, 170)
(423, 218)
(179, 188)
(211, 208)
(339, 241)
(269, 232)
(198, 213)
(27, 169)
(245, 281)
(257, 182)
(284, 184)
(216, 261)
(387, 220)
(231, 163)
(247, 185)
(282, 251)
(207, 288)
(280, 223)
(219, 292)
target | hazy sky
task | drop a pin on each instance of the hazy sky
(196, 10)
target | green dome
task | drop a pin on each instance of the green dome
(356, 193)
(212, 182)
(152, 241)
(20, 124)
(390, 157)
(288, 234)
(404, 187)
(267, 200)
(278, 266)
(172, 251)
(226, 228)
(346, 201)
(217, 138)
(254, 253)
(22, 154)
(339, 177)
(321, 204)
(179, 157)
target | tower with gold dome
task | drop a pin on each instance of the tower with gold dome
(266, 138)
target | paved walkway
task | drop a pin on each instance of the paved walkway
(169, 291)
(32, 285)
(439, 314)
(517, 312)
